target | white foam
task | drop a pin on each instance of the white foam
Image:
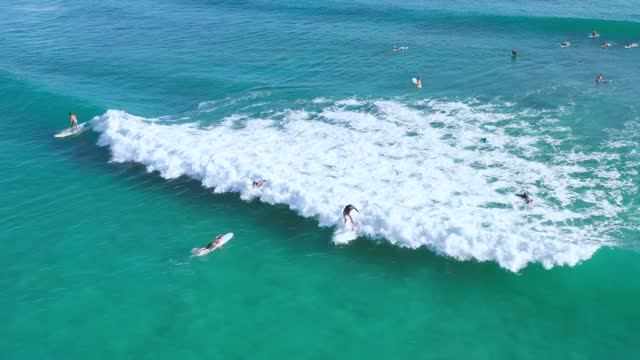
(416, 172)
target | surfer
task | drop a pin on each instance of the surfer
(399, 48)
(605, 45)
(346, 213)
(594, 34)
(484, 140)
(565, 44)
(525, 197)
(514, 53)
(418, 82)
(258, 184)
(214, 243)
(74, 121)
(600, 79)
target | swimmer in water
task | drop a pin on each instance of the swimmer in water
(514, 52)
(399, 48)
(258, 184)
(600, 79)
(346, 213)
(525, 197)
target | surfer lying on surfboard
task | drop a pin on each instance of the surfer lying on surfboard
(212, 244)
(346, 213)
(74, 121)
(258, 184)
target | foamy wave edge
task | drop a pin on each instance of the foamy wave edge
(227, 160)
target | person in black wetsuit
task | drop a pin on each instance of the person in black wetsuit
(525, 197)
(346, 213)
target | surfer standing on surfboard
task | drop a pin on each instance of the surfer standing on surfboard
(74, 121)
(346, 213)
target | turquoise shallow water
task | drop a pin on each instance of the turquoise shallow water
(190, 101)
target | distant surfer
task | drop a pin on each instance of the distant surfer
(565, 44)
(399, 48)
(600, 79)
(212, 244)
(514, 53)
(346, 213)
(258, 184)
(630, 45)
(418, 82)
(484, 140)
(74, 121)
(605, 45)
(525, 197)
(594, 34)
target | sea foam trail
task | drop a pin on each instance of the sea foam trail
(416, 171)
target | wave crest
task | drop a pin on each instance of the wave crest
(416, 171)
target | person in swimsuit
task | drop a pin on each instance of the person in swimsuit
(214, 243)
(74, 121)
(346, 213)
(525, 197)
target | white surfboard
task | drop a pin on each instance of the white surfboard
(70, 131)
(204, 251)
(565, 44)
(631, 46)
(415, 82)
(594, 36)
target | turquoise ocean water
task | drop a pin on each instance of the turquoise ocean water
(187, 102)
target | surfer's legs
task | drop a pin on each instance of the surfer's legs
(350, 219)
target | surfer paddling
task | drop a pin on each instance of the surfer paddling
(212, 244)
(600, 79)
(74, 121)
(525, 197)
(346, 213)
(258, 184)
